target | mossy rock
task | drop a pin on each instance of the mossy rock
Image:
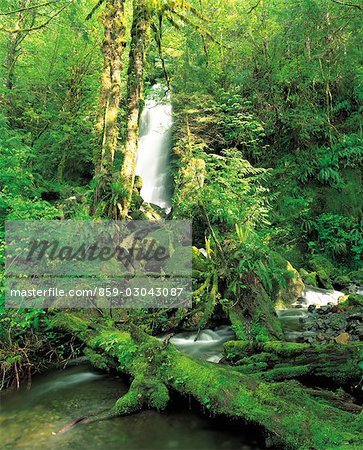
(192, 324)
(354, 300)
(357, 276)
(288, 285)
(324, 270)
(341, 281)
(254, 316)
(309, 278)
(233, 349)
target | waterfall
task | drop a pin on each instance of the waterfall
(319, 297)
(154, 149)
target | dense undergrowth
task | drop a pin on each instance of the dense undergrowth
(267, 163)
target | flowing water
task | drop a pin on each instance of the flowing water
(207, 345)
(292, 319)
(154, 149)
(319, 297)
(28, 419)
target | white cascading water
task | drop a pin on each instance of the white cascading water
(319, 297)
(292, 319)
(154, 149)
(207, 345)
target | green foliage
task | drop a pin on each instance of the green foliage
(20, 197)
(338, 235)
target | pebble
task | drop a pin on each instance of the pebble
(330, 324)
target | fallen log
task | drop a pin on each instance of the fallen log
(339, 363)
(292, 416)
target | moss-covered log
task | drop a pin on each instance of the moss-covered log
(339, 363)
(292, 415)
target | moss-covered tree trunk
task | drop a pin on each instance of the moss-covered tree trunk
(113, 47)
(293, 416)
(139, 38)
(13, 52)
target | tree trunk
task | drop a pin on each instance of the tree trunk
(110, 96)
(292, 414)
(12, 55)
(139, 38)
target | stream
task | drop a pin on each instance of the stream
(208, 345)
(293, 319)
(29, 417)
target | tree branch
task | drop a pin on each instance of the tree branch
(254, 7)
(41, 5)
(201, 30)
(38, 27)
(349, 5)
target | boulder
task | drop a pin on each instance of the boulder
(324, 270)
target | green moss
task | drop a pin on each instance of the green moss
(342, 280)
(157, 394)
(324, 270)
(251, 368)
(254, 316)
(286, 410)
(71, 323)
(285, 349)
(285, 360)
(287, 283)
(353, 300)
(129, 403)
(144, 391)
(238, 325)
(309, 278)
(97, 360)
(233, 349)
(281, 407)
(357, 276)
(199, 261)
